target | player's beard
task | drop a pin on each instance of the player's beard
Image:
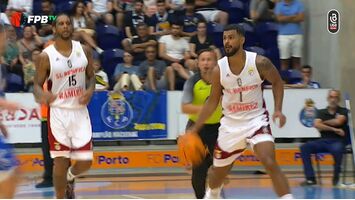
(232, 52)
(61, 36)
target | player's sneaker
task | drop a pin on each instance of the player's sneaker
(69, 191)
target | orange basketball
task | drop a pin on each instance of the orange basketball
(191, 149)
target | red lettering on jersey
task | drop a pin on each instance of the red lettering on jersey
(70, 93)
(241, 89)
(74, 71)
(242, 107)
(59, 75)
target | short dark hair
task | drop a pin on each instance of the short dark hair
(190, 2)
(47, 1)
(161, 1)
(177, 23)
(307, 67)
(209, 49)
(137, 1)
(239, 29)
(140, 24)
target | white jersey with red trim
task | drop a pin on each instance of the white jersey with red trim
(242, 99)
(67, 78)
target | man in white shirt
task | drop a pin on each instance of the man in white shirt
(174, 50)
(20, 6)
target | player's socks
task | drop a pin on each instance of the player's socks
(70, 175)
(213, 193)
(287, 196)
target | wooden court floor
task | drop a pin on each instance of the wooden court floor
(177, 186)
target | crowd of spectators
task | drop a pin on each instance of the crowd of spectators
(161, 37)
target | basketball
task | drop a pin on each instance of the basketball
(191, 149)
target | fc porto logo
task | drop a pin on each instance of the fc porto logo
(308, 113)
(116, 112)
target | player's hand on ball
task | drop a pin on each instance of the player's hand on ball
(85, 98)
(279, 117)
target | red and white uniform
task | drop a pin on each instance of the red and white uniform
(245, 119)
(70, 133)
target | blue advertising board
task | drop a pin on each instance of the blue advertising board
(129, 115)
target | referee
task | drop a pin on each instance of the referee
(196, 91)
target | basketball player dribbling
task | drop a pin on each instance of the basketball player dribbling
(71, 82)
(238, 81)
(9, 173)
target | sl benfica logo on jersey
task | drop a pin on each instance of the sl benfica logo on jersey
(69, 64)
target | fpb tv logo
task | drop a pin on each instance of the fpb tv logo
(19, 18)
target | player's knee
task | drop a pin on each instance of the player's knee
(85, 165)
(269, 163)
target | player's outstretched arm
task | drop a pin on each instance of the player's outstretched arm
(212, 101)
(269, 72)
(90, 77)
(41, 75)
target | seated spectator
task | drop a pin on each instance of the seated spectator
(160, 22)
(29, 70)
(11, 55)
(83, 25)
(28, 43)
(140, 43)
(157, 75)
(307, 81)
(332, 125)
(290, 14)
(101, 77)
(45, 30)
(261, 10)
(127, 75)
(174, 50)
(210, 12)
(150, 7)
(101, 9)
(119, 8)
(132, 19)
(190, 19)
(19, 6)
(202, 41)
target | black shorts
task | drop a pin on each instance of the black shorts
(181, 62)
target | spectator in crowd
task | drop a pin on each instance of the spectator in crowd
(210, 12)
(101, 77)
(127, 75)
(11, 54)
(307, 81)
(118, 9)
(45, 30)
(331, 122)
(261, 10)
(28, 43)
(83, 25)
(132, 19)
(29, 70)
(174, 50)
(190, 19)
(101, 9)
(202, 41)
(150, 7)
(155, 72)
(140, 43)
(19, 6)
(160, 22)
(290, 14)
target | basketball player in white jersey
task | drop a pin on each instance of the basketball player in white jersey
(238, 81)
(71, 82)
